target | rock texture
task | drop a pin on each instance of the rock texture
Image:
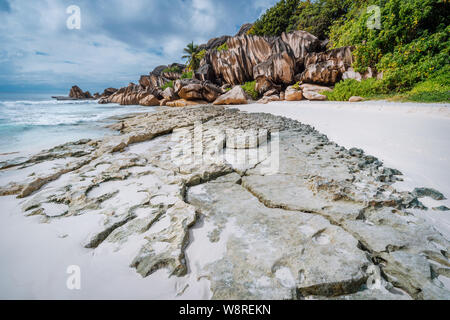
(236, 95)
(326, 67)
(78, 94)
(250, 57)
(286, 213)
(293, 94)
(272, 62)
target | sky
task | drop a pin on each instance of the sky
(118, 40)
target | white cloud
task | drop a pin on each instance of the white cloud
(118, 40)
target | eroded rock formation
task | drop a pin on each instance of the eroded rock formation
(77, 93)
(274, 63)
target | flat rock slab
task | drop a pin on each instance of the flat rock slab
(288, 213)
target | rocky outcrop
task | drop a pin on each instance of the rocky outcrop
(214, 43)
(78, 94)
(272, 62)
(169, 94)
(356, 99)
(149, 101)
(245, 28)
(236, 95)
(326, 67)
(293, 94)
(193, 89)
(250, 57)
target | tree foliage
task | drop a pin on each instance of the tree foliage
(276, 20)
(191, 52)
(411, 46)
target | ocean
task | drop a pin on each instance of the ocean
(30, 123)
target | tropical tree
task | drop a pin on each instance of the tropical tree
(190, 54)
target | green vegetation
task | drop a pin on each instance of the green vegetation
(175, 69)
(249, 88)
(350, 87)
(432, 90)
(200, 55)
(187, 75)
(223, 47)
(411, 47)
(435, 89)
(191, 51)
(276, 20)
(167, 85)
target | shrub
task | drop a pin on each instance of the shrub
(275, 20)
(249, 88)
(200, 55)
(350, 87)
(167, 85)
(187, 75)
(223, 47)
(315, 17)
(436, 89)
(175, 69)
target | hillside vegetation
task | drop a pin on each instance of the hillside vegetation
(410, 45)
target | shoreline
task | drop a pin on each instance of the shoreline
(94, 184)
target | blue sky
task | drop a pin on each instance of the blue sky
(118, 41)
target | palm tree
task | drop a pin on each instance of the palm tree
(191, 50)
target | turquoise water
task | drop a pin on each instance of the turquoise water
(30, 123)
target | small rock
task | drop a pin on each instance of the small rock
(314, 88)
(268, 99)
(356, 99)
(441, 208)
(428, 192)
(314, 96)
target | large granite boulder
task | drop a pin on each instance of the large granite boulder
(169, 94)
(326, 67)
(293, 94)
(77, 93)
(193, 89)
(236, 95)
(210, 91)
(205, 73)
(109, 91)
(250, 57)
(149, 101)
(191, 92)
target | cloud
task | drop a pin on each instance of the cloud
(118, 40)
